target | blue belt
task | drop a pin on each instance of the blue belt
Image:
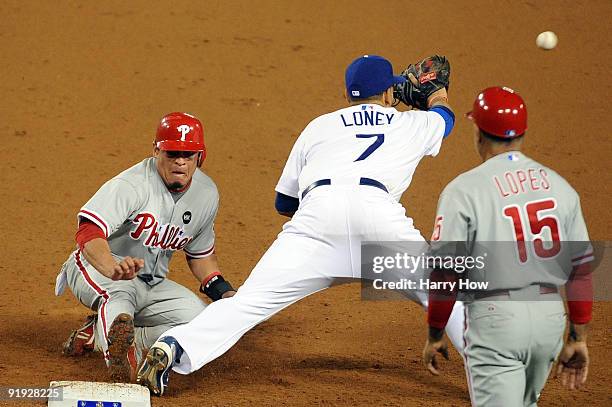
(147, 278)
(363, 181)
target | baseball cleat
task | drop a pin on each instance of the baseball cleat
(155, 368)
(121, 349)
(82, 339)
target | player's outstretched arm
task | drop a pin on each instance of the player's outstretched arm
(206, 270)
(438, 102)
(97, 253)
(573, 364)
(424, 81)
(439, 98)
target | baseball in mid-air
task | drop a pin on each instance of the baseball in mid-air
(547, 40)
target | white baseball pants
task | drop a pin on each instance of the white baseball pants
(319, 247)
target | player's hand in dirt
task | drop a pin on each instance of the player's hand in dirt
(573, 364)
(433, 346)
(127, 268)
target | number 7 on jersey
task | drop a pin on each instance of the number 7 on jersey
(380, 138)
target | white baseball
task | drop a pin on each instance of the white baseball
(547, 40)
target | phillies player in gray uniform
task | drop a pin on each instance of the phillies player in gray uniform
(128, 232)
(514, 329)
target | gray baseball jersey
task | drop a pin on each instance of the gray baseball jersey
(141, 218)
(512, 198)
(510, 345)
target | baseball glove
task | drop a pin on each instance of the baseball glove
(423, 79)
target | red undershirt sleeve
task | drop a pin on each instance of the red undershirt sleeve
(579, 290)
(88, 231)
(441, 301)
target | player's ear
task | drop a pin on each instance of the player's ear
(346, 96)
(388, 97)
(156, 151)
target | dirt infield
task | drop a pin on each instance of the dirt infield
(84, 83)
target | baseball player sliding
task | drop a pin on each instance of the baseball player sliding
(513, 328)
(340, 186)
(128, 232)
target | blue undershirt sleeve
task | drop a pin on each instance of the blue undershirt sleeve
(447, 115)
(285, 203)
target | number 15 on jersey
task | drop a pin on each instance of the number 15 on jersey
(530, 215)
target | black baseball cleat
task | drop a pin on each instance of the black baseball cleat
(155, 368)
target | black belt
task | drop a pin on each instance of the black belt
(544, 289)
(363, 181)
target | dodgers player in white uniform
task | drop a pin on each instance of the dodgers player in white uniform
(128, 232)
(341, 185)
(528, 220)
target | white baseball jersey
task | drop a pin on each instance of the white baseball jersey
(365, 140)
(512, 198)
(321, 244)
(141, 218)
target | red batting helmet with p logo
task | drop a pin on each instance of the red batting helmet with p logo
(181, 132)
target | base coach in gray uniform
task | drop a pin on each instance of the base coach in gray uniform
(128, 232)
(528, 220)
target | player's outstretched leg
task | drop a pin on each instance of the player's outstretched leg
(456, 326)
(155, 368)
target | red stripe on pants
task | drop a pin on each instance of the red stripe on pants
(103, 293)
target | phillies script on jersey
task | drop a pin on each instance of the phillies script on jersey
(166, 236)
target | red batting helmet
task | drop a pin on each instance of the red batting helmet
(181, 132)
(500, 112)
